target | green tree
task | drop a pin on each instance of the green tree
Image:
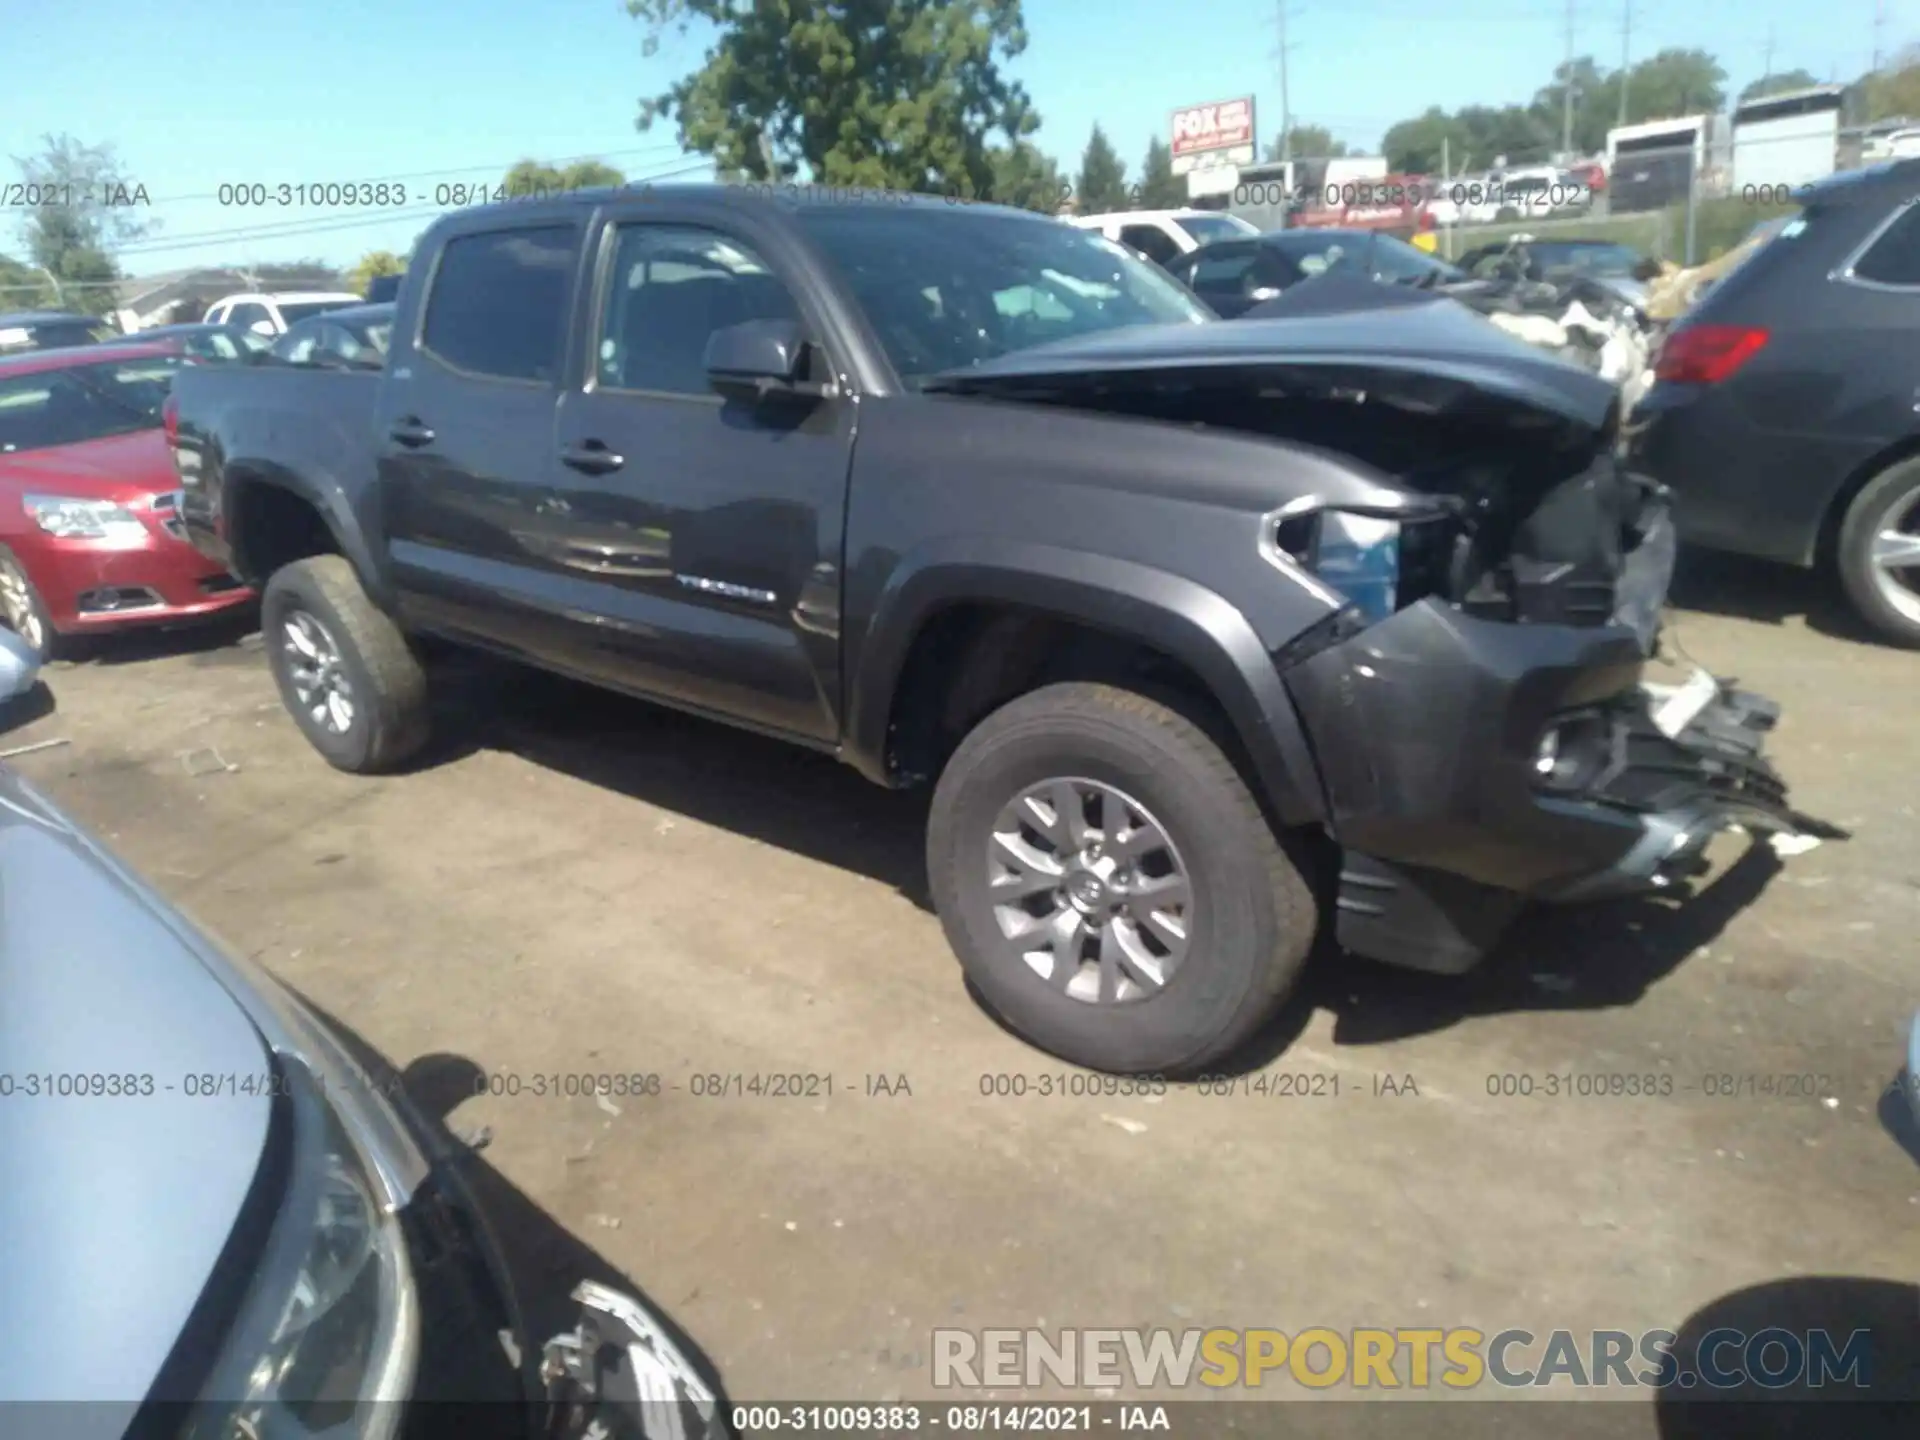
(1416, 146)
(1777, 85)
(371, 264)
(1028, 179)
(535, 177)
(1102, 184)
(1160, 188)
(94, 209)
(22, 287)
(1675, 83)
(1310, 142)
(1596, 102)
(901, 94)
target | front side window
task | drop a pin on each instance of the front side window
(87, 402)
(933, 282)
(498, 307)
(1151, 241)
(671, 287)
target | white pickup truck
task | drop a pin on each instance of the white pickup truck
(271, 315)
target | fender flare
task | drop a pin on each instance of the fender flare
(1174, 615)
(328, 501)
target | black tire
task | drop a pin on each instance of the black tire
(1255, 914)
(1889, 498)
(389, 722)
(34, 624)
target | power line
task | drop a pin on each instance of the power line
(1566, 96)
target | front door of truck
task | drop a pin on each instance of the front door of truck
(702, 536)
(465, 430)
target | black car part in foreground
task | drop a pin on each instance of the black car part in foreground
(1786, 413)
(1161, 605)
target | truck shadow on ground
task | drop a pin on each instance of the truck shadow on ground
(1816, 1398)
(1716, 583)
(766, 790)
(1589, 957)
(544, 1260)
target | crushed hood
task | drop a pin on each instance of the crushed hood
(1410, 349)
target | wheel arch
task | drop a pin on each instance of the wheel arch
(1824, 546)
(264, 503)
(1130, 602)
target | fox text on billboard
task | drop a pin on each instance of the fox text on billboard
(1223, 125)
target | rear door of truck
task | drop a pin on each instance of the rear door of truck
(465, 425)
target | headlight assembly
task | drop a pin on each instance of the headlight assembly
(327, 1332)
(71, 518)
(1376, 558)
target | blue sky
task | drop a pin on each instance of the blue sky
(196, 93)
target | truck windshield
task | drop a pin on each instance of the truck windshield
(948, 288)
(44, 408)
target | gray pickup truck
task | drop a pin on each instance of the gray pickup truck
(1207, 635)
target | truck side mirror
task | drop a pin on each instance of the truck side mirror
(760, 359)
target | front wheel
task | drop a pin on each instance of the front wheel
(1110, 885)
(22, 610)
(1879, 553)
(345, 672)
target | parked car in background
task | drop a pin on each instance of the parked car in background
(49, 330)
(1233, 276)
(271, 315)
(355, 337)
(1621, 268)
(383, 288)
(1170, 612)
(1784, 413)
(1165, 235)
(206, 344)
(90, 535)
(299, 1250)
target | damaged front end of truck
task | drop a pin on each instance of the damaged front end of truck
(1479, 696)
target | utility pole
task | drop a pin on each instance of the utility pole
(1766, 65)
(1626, 44)
(1286, 111)
(1566, 98)
(1879, 24)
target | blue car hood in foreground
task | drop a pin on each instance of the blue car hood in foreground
(1408, 348)
(113, 1207)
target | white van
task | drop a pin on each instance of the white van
(270, 315)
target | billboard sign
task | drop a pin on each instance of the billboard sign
(1220, 133)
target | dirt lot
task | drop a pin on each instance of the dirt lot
(581, 884)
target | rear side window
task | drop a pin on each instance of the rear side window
(498, 306)
(1894, 257)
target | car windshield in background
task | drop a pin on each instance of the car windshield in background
(45, 408)
(1205, 229)
(1379, 257)
(1004, 282)
(54, 335)
(294, 313)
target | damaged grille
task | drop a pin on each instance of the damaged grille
(1719, 756)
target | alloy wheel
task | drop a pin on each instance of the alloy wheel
(1895, 557)
(17, 608)
(1089, 891)
(320, 682)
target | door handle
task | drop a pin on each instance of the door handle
(591, 457)
(411, 432)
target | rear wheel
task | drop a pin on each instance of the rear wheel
(21, 608)
(1879, 553)
(345, 672)
(1110, 885)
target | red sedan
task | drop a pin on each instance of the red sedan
(89, 539)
